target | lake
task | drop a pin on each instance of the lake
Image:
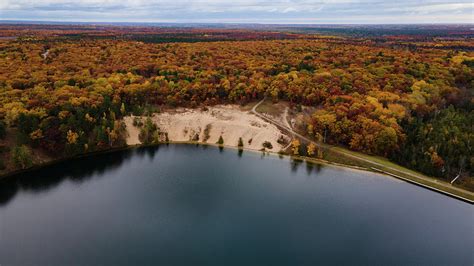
(194, 205)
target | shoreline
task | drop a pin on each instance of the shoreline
(14, 174)
(136, 146)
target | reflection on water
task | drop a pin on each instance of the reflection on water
(76, 170)
(82, 169)
(196, 205)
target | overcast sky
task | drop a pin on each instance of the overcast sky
(242, 11)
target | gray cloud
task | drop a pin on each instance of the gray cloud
(265, 11)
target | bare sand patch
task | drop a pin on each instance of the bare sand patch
(228, 121)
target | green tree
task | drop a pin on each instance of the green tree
(149, 131)
(241, 143)
(3, 130)
(386, 141)
(220, 141)
(123, 111)
(21, 156)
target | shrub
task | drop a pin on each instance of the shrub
(21, 156)
(267, 145)
(220, 141)
(207, 131)
(148, 133)
(282, 140)
(137, 122)
(137, 110)
(241, 143)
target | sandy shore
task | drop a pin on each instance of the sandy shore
(228, 121)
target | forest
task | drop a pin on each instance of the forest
(63, 90)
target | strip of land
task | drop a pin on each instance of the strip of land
(254, 127)
(232, 122)
(378, 164)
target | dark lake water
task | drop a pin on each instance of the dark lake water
(194, 205)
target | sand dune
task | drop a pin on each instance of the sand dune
(227, 121)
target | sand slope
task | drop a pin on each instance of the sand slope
(227, 121)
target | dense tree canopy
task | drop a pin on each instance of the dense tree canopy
(411, 105)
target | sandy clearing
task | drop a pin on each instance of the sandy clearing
(227, 121)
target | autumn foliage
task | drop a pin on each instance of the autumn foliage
(69, 94)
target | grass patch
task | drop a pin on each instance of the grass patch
(334, 154)
(273, 109)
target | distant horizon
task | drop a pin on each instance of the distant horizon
(243, 11)
(12, 21)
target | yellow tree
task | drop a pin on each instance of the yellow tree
(311, 149)
(295, 147)
(72, 137)
(36, 134)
